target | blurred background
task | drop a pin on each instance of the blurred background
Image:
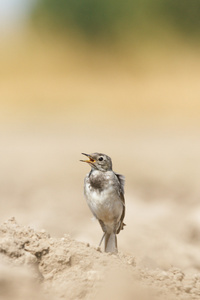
(121, 78)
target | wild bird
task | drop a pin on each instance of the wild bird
(104, 192)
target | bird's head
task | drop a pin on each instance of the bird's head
(99, 161)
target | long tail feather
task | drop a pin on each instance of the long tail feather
(111, 243)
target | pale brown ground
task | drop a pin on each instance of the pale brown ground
(144, 113)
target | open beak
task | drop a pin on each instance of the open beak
(90, 160)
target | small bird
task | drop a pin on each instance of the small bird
(104, 192)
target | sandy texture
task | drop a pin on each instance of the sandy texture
(34, 265)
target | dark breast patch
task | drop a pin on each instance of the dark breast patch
(97, 182)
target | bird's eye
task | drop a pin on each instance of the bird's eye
(100, 158)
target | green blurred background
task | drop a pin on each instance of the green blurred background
(114, 19)
(116, 77)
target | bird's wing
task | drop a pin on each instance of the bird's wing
(121, 180)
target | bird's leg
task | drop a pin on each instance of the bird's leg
(102, 240)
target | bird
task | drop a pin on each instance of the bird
(104, 193)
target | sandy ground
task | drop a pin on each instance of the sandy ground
(37, 266)
(48, 250)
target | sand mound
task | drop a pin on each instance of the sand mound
(37, 266)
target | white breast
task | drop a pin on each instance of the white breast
(106, 205)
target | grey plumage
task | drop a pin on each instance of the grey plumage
(104, 192)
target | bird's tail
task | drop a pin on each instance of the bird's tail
(111, 242)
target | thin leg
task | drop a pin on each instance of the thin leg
(102, 239)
